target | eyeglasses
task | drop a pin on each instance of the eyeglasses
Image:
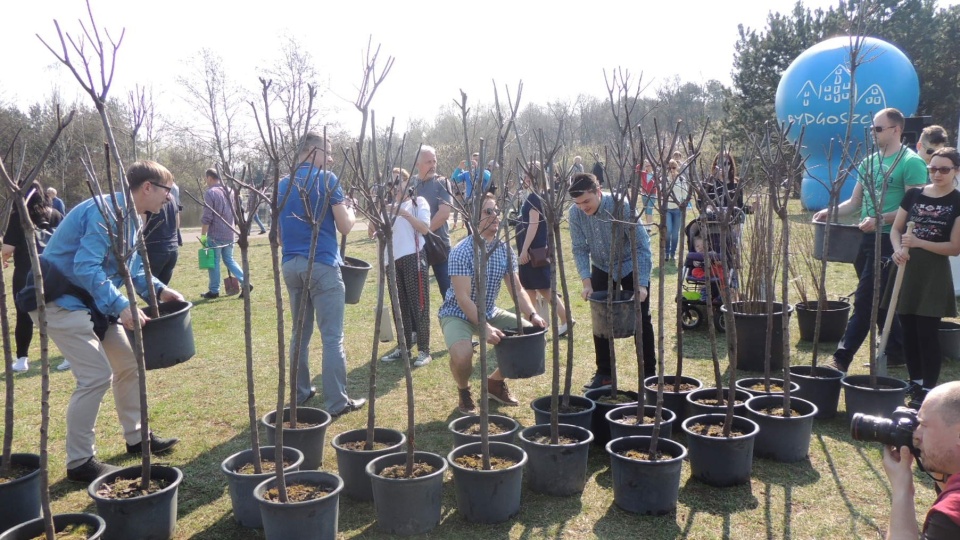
(929, 151)
(879, 129)
(672, 168)
(491, 211)
(941, 170)
(168, 189)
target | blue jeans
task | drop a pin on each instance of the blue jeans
(323, 293)
(256, 219)
(858, 327)
(674, 224)
(225, 252)
(442, 274)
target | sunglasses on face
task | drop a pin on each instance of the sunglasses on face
(168, 189)
(879, 129)
(941, 170)
(491, 211)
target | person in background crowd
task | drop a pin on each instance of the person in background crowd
(677, 197)
(46, 218)
(436, 190)
(162, 239)
(83, 284)
(926, 293)
(591, 233)
(932, 138)
(56, 202)
(577, 165)
(410, 263)
(900, 170)
(217, 233)
(648, 191)
(322, 289)
(459, 313)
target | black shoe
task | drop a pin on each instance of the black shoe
(90, 471)
(241, 292)
(352, 405)
(599, 382)
(210, 295)
(311, 395)
(158, 445)
(263, 231)
(915, 396)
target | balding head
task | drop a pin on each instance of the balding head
(945, 401)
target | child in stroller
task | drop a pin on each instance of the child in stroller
(695, 295)
(695, 272)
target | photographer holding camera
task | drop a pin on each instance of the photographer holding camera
(936, 440)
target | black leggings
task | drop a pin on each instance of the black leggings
(601, 346)
(412, 283)
(23, 332)
(921, 347)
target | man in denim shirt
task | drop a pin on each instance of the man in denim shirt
(591, 233)
(81, 251)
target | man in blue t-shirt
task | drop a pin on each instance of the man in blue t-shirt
(313, 196)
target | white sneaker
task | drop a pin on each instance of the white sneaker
(423, 359)
(393, 356)
(22, 364)
(65, 365)
(562, 330)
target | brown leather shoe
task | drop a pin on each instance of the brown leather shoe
(466, 406)
(498, 391)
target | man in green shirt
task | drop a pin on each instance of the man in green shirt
(901, 169)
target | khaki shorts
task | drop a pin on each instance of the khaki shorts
(456, 329)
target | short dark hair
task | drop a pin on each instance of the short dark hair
(582, 183)
(950, 153)
(144, 171)
(893, 115)
(212, 173)
(934, 135)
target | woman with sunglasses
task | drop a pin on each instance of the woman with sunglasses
(927, 293)
(412, 221)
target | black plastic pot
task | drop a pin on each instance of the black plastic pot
(751, 321)
(407, 506)
(861, 398)
(20, 499)
(557, 470)
(352, 464)
(509, 424)
(522, 356)
(783, 439)
(308, 440)
(646, 487)
(246, 510)
(150, 517)
(695, 408)
(354, 272)
(619, 430)
(820, 387)
(721, 461)
(599, 425)
(317, 519)
(168, 339)
(950, 340)
(624, 314)
(844, 242)
(675, 401)
(541, 411)
(747, 384)
(488, 496)
(833, 322)
(35, 527)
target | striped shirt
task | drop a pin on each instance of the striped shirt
(461, 263)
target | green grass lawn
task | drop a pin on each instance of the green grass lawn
(839, 492)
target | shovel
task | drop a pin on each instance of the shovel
(891, 311)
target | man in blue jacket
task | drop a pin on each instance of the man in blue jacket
(82, 253)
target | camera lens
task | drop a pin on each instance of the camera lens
(896, 431)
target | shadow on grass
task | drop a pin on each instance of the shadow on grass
(789, 476)
(612, 523)
(842, 489)
(699, 497)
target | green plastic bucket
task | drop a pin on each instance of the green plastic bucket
(206, 258)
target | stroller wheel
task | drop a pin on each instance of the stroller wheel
(719, 321)
(691, 318)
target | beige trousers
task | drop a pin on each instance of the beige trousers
(94, 364)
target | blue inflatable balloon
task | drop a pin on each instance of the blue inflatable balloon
(815, 93)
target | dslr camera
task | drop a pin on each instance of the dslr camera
(896, 431)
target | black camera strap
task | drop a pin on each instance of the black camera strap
(936, 481)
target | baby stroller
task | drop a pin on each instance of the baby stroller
(707, 238)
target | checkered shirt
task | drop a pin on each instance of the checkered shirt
(460, 263)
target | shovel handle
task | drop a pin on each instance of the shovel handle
(891, 309)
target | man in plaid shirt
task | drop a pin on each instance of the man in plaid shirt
(459, 318)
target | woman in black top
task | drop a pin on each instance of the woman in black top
(927, 294)
(44, 217)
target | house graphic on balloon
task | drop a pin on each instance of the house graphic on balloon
(815, 94)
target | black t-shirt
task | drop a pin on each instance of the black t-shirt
(933, 216)
(14, 237)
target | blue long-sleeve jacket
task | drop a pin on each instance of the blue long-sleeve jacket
(80, 249)
(591, 237)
